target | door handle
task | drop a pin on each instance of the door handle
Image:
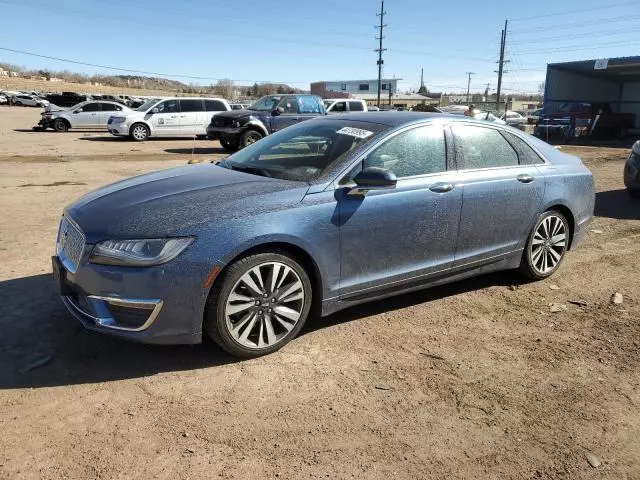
(441, 187)
(182, 116)
(525, 178)
(174, 116)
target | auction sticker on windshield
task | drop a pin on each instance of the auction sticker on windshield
(355, 132)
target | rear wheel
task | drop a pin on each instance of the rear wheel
(229, 143)
(59, 125)
(139, 132)
(18, 103)
(546, 246)
(258, 304)
(249, 138)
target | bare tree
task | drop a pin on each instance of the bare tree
(225, 88)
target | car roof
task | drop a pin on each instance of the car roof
(400, 118)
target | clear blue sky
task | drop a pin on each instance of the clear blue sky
(298, 42)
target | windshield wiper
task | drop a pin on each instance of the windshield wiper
(247, 169)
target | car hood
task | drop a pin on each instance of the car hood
(179, 201)
(237, 114)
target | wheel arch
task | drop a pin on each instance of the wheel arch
(141, 122)
(258, 127)
(65, 120)
(294, 250)
(568, 214)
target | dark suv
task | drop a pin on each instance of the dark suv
(238, 128)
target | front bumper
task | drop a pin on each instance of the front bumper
(160, 304)
(46, 122)
(218, 132)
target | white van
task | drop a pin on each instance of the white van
(344, 105)
(168, 117)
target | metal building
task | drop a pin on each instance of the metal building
(615, 81)
(329, 89)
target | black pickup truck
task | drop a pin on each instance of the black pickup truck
(66, 99)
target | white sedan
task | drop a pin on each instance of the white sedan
(90, 114)
(29, 101)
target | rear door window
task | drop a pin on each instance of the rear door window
(526, 154)
(191, 105)
(480, 147)
(110, 107)
(356, 107)
(217, 106)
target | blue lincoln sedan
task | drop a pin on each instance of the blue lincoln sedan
(315, 218)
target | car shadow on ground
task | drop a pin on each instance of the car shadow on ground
(41, 345)
(617, 204)
(42, 130)
(197, 151)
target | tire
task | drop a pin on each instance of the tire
(139, 132)
(60, 125)
(249, 137)
(18, 103)
(535, 265)
(268, 318)
(230, 144)
(634, 193)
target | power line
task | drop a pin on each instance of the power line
(576, 24)
(142, 72)
(576, 48)
(571, 12)
(577, 35)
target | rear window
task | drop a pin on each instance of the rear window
(216, 106)
(356, 107)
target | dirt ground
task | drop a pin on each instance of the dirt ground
(473, 380)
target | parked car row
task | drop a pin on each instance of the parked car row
(22, 99)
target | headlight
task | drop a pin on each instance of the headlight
(138, 253)
(118, 119)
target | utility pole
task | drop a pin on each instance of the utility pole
(389, 86)
(501, 62)
(469, 84)
(380, 49)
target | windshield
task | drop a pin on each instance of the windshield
(147, 104)
(265, 104)
(305, 151)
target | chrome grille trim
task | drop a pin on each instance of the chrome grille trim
(70, 244)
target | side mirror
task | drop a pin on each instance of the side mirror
(636, 148)
(373, 178)
(277, 111)
(155, 110)
(78, 111)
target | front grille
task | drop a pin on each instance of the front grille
(70, 244)
(218, 121)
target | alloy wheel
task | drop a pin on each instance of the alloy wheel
(548, 245)
(139, 132)
(264, 305)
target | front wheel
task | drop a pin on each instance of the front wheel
(139, 132)
(546, 246)
(249, 137)
(18, 103)
(258, 304)
(59, 125)
(230, 144)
